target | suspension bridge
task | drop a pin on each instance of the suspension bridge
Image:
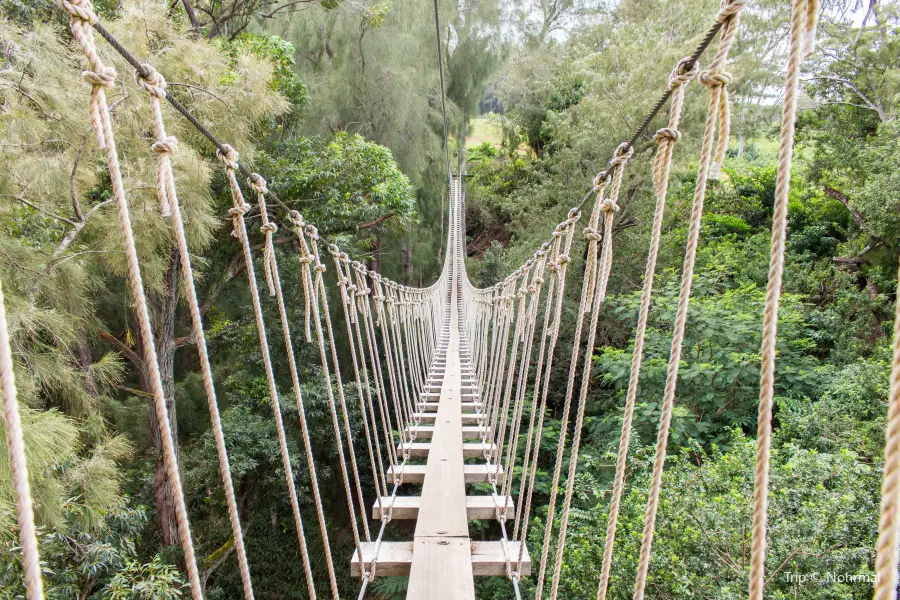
(451, 380)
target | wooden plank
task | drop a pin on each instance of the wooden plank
(425, 449)
(469, 432)
(407, 508)
(467, 418)
(413, 474)
(395, 558)
(463, 406)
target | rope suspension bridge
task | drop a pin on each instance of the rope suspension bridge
(452, 381)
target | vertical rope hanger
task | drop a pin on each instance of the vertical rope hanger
(609, 207)
(273, 280)
(803, 24)
(587, 298)
(229, 159)
(666, 139)
(101, 76)
(165, 146)
(715, 78)
(18, 465)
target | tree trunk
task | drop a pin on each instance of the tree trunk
(405, 260)
(740, 148)
(376, 253)
(164, 310)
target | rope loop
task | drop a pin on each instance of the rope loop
(684, 71)
(730, 8)
(601, 180)
(229, 157)
(667, 134)
(258, 183)
(79, 10)
(713, 79)
(623, 152)
(151, 81)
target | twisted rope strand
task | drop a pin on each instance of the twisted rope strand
(100, 76)
(165, 146)
(800, 24)
(18, 465)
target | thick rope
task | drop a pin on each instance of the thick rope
(100, 76)
(165, 147)
(802, 28)
(715, 79)
(309, 249)
(558, 268)
(609, 207)
(593, 238)
(666, 139)
(889, 524)
(230, 160)
(18, 464)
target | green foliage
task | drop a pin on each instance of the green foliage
(341, 183)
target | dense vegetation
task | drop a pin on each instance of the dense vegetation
(338, 104)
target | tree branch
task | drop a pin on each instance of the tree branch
(124, 348)
(376, 222)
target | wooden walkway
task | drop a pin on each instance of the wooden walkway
(442, 560)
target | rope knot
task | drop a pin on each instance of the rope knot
(623, 152)
(669, 134)
(166, 145)
(715, 79)
(228, 157)
(104, 76)
(269, 228)
(296, 218)
(258, 183)
(304, 260)
(239, 211)
(609, 206)
(601, 180)
(537, 281)
(320, 268)
(684, 71)
(78, 9)
(563, 259)
(730, 8)
(592, 234)
(153, 82)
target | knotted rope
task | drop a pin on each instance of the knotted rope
(229, 158)
(258, 184)
(609, 206)
(710, 78)
(662, 164)
(100, 76)
(166, 146)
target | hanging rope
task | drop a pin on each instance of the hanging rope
(609, 207)
(165, 147)
(18, 465)
(101, 77)
(229, 159)
(803, 23)
(662, 164)
(715, 79)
